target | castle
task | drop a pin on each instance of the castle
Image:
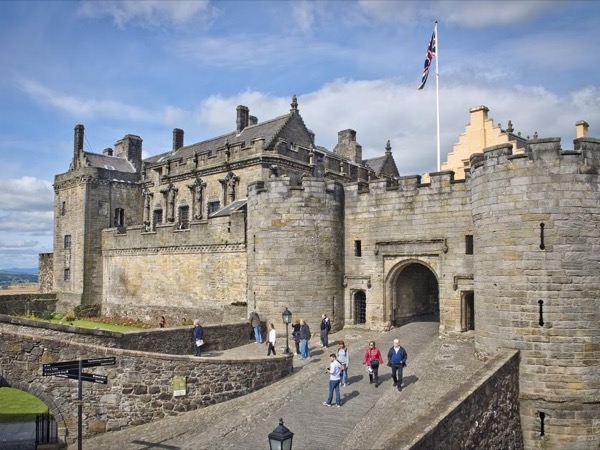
(501, 246)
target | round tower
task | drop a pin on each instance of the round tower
(295, 250)
(536, 279)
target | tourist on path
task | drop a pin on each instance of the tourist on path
(272, 339)
(397, 360)
(254, 320)
(372, 360)
(162, 322)
(198, 337)
(335, 371)
(343, 358)
(296, 335)
(304, 338)
(325, 329)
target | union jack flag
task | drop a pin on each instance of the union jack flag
(428, 58)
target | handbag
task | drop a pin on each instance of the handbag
(375, 363)
(199, 342)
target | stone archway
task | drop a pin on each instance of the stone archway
(414, 292)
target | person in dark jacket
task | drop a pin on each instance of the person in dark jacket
(397, 360)
(198, 337)
(304, 338)
(325, 329)
(254, 320)
(296, 335)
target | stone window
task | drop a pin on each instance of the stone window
(67, 275)
(184, 217)
(67, 242)
(158, 218)
(119, 217)
(357, 248)
(63, 208)
(213, 207)
(469, 244)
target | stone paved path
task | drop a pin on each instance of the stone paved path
(368, 417)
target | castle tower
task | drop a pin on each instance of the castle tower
(295, 250)
(537, 234)
(97, 192)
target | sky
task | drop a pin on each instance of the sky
(146, 67)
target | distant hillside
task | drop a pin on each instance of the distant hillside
(18, 276)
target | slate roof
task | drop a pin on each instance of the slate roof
(227, 210)
(268, 130)
(109, 162)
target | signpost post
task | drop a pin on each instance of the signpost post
(74, 370)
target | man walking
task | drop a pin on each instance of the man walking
(397, 360)
(254, 320)
(304, 338)
(325, 329)
(335, 373)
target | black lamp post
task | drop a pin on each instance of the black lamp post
(281, 438)
(287, 318)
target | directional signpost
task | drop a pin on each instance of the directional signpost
(74, 370)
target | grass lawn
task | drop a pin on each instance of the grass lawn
(96, 325)
(19, 406)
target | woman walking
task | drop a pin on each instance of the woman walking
(272, 339)
(372, 360)
(343, 358)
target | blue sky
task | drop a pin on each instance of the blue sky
(146, 67)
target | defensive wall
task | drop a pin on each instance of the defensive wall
(143, 386)
(537, 234)
(481, 413)
(197, 272)
(403, 222)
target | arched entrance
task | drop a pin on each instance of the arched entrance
(415, 294)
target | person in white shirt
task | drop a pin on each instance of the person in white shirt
(335, 374)
(272, 339)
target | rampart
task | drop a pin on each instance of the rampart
(199, 272)
(483, 412)
(171, 384)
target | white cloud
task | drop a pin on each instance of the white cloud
(385, 109)
(304, 14)
(150, 13)
(26, 194)
(470, 14)
(29, 222)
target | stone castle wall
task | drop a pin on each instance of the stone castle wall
(295, 250)
(537, 223)
(403, 222)
(138, 379)
(46, 273)
(482, 413)
(193, 273)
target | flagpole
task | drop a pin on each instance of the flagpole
(437, 92)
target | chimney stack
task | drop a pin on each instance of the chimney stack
(177, 138)
(107, 151)
(242, 117)
(252, 120)
(581, 129)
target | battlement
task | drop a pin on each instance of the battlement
(307, 187)
(585, 158)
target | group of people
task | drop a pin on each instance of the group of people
(339, 360)
(338, 367)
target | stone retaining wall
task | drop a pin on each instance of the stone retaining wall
(174, 341)
(141, 387)
(481, 413)
(21, 304)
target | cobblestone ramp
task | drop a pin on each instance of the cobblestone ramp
(368, 417)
